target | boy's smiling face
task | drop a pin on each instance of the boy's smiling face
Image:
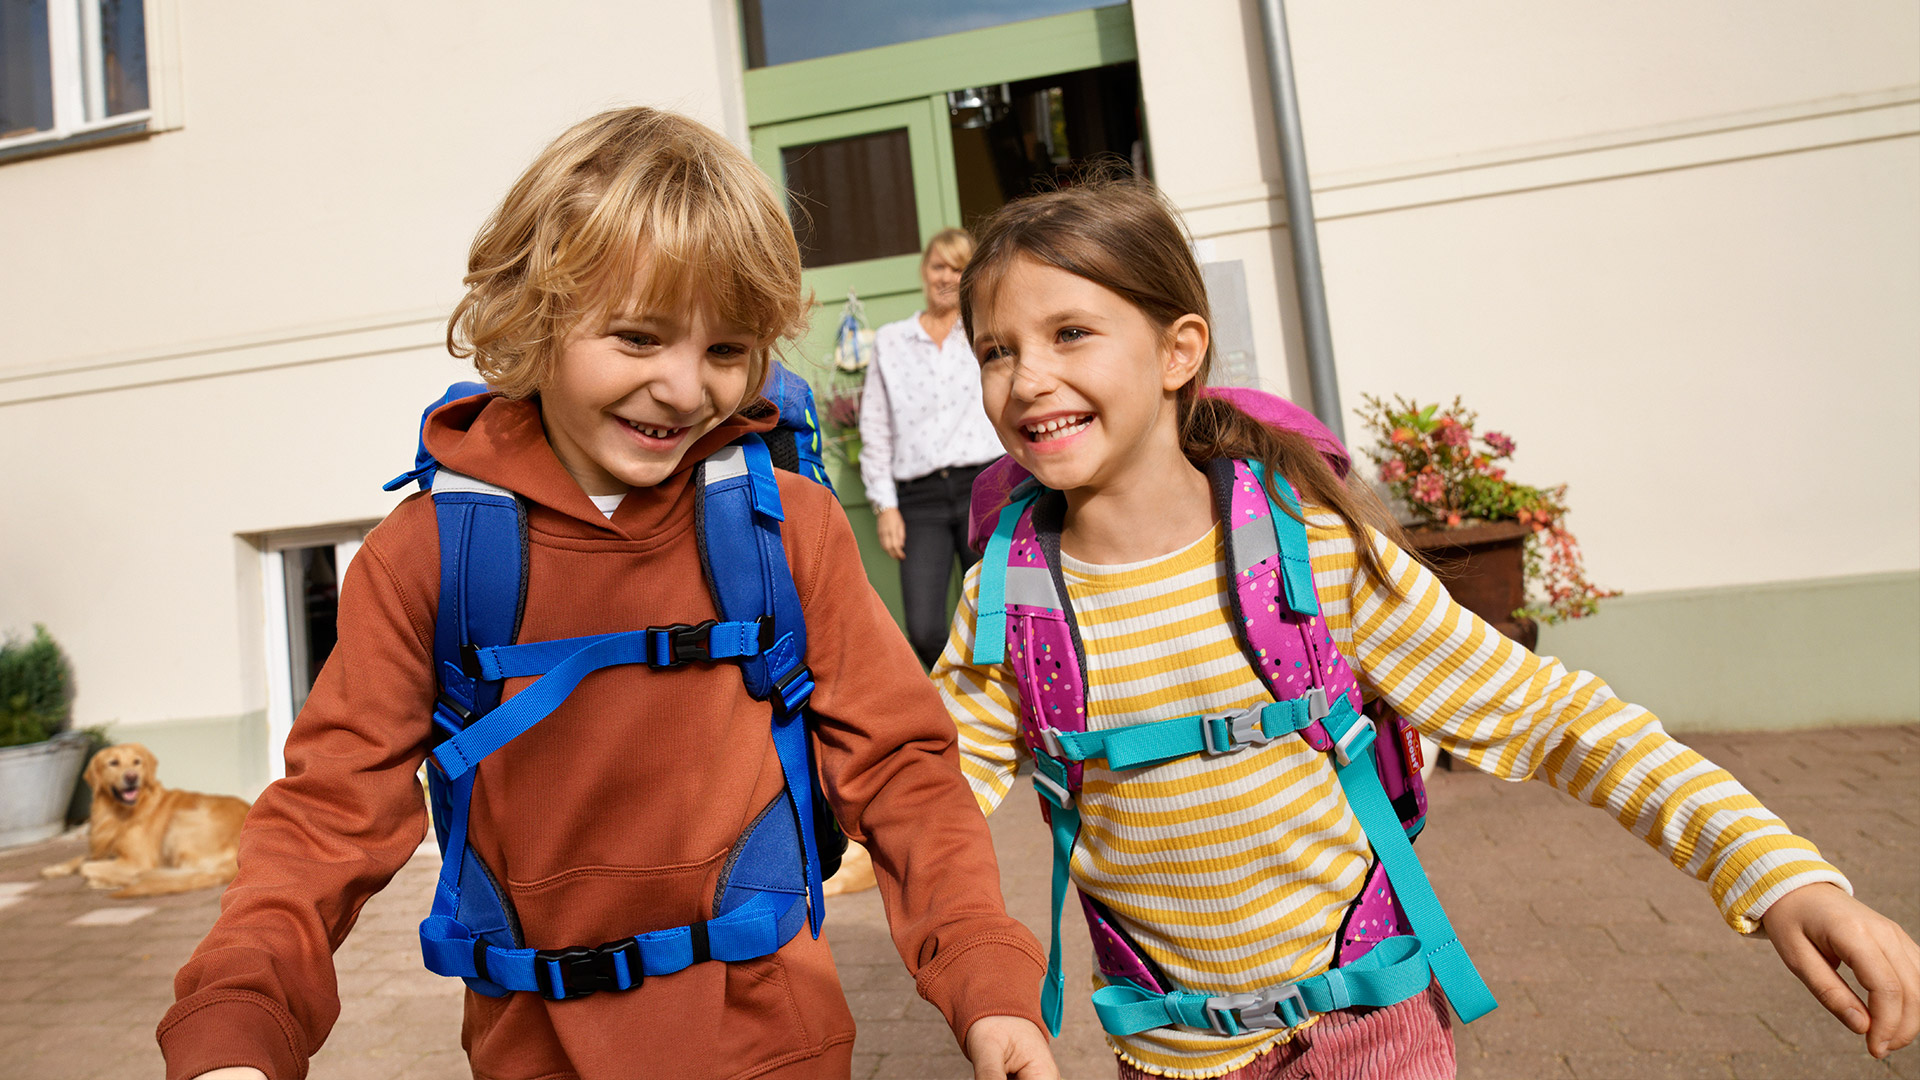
(632, 391)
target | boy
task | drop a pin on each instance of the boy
(622, 302)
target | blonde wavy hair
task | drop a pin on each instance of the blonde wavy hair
(631, 207)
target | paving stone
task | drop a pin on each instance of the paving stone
(1509, 1065)
(1793, 1065)
(1607, 961)
(1641, 1066)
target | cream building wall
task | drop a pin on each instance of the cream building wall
(226, 331)
(1674, 250)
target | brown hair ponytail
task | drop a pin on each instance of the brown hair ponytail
(1121, 234)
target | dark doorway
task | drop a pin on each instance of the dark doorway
(1014, 139)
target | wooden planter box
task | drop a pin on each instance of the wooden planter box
(1483, 565)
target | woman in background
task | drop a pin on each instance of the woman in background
(924, 438)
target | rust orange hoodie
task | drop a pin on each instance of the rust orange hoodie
(613, 815)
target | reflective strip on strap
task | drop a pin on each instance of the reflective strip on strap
(1033, 587)
(447, 480)
(725, 463)
(1254, 542)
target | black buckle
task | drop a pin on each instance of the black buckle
(684, 644)
(800, 679)
(585, 971)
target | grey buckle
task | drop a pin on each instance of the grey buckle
(1061, 797)
(1243, 730)
(1050, 739)
(1260, 1009)
(1317, 708)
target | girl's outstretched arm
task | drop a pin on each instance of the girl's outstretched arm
(1516, 715)
(1817, 928)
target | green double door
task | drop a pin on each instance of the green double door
(879, 149)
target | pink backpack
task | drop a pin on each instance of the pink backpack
(1026, 621)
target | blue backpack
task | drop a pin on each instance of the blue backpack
(771, 879)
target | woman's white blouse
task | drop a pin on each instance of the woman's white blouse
(920, 411)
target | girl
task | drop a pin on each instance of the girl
(623, 303)
(1229, 870)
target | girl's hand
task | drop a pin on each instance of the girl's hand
(1817, 928)
(1009, 1048)
(233, 1072)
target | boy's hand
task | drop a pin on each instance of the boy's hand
(1817, 928)
(1009, 1048)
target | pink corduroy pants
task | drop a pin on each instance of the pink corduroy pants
(1409, 1041)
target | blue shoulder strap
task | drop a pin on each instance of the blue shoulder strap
(482, 530)
(737, 520)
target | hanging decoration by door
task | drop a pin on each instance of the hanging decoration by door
(852, 353)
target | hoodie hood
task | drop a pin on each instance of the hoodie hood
(503, 442)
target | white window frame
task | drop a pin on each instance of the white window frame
(77, 71)
(278, 636)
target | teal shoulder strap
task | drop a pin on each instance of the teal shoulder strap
(1296, 569)
(990, 621)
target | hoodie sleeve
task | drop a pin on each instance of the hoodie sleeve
(260, 989)
(892, 772)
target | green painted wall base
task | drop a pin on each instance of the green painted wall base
(1795, 654)
(222, 755)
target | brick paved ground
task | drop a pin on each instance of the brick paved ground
(1607, 963)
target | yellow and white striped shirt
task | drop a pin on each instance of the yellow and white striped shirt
(1234, 873)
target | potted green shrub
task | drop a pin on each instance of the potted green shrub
(39, 758)
(1502, 548)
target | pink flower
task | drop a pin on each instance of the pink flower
(1429, 488)
(1393, 471)
(1500, 444)
(1455, 436)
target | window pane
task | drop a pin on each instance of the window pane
(852, 199)
(782, 31)
(123, 51)
(26, 70)
(313, 608)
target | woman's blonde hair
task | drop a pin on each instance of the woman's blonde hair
(633, 206)
(953, 245)
(1121, 234)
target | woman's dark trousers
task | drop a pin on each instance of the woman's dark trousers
(934, 509)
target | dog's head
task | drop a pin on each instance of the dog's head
(121, 774)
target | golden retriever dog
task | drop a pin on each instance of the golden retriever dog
(145, 839)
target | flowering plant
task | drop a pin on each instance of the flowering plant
(1428, 458)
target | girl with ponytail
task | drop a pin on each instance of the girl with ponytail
(1251, 915)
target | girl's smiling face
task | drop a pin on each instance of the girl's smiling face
(631, 392)
(1080, 384)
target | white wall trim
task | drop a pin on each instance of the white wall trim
(1813, 125)
(371, 336)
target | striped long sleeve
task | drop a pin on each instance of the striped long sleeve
(1234, 873)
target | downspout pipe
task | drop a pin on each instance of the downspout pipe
(1321, 378)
